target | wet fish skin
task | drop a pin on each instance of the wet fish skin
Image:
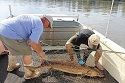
(69, 67)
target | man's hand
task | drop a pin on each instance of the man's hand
(5, 52)
(85, 50)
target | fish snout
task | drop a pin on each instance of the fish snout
(100, 75)
(95, 73)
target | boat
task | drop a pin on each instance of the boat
(64, 26)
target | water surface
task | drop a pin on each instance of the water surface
(92, 13)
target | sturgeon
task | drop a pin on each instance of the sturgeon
(71, 67)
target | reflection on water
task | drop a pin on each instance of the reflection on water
(92, 13)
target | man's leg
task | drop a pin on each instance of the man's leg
(98, 55)
(86, 55)
(27, 60)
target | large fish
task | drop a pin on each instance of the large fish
(69, 67)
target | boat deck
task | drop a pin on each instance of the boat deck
(54, 76)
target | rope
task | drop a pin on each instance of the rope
(83, 49)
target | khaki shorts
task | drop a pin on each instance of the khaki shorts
(16, 47)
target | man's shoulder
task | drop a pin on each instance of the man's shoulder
(86, 31)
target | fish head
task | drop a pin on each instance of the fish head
(94, 73)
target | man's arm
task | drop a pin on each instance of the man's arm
(37, 48)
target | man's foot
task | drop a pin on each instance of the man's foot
(12, 64)
(99, 67)
(32, 73)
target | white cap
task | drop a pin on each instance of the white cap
(93, 41)
(50, 19)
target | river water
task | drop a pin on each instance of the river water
(92, 13)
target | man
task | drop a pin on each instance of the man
(20, 35)
(89, 38)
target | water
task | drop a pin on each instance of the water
(92, 13)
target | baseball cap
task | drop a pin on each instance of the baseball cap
(93, 41)
(48, 17)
